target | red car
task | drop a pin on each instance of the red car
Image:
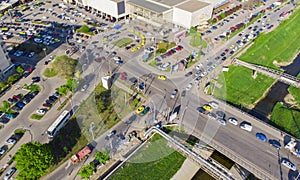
(17, 97)
(226, 50)
(123, 76)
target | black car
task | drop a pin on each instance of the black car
(188, 74)
(16, 108)
(224, 58)
(223, 54)
(275, 143)
(53, 98)
(201, 110)
(11, 100)
(26, 100)
(231, 52)
(183, 93)
(49, 101)
(35, 79)
(34, 93)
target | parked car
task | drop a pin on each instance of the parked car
(174, 93)
(11, 141)
(140, 110)
(35, 79)
(233, 121)
(188, 74)
(246, 126)
(84, 87)
(9, 173)
(47, 105)
(41, 111)
(145, 111)
(221, 121)
(288, 164)
(189, 87)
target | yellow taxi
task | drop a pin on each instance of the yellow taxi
(134, 49)
(232, 46)
(140, 110)
(161, 77)
(207, 108)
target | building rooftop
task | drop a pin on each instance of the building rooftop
(192, 5)
(170, 3)
(149, 5)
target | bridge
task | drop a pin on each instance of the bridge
(281, 76)
(213, 168)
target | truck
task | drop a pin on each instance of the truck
(293, 147)
(81, 154)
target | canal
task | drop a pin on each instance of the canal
(277, 92)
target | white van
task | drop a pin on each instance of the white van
(246, 126)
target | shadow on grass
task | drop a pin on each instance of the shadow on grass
(68, 141)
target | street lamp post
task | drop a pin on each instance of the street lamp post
(92, 126)
(44, 49)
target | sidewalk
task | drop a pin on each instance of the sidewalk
(24, 139)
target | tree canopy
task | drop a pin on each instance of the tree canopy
(87, 170)
(102, 157)
(33, 159)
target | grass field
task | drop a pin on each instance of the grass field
(122, 42)
(240, 88)
(156, 160)
(295, 92)
(286, 119)
(281, 45)
(196, 39)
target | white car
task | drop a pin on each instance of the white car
(288, 164)
(41, 111)
(246, 126)
(233, 121)
(214, 104)
(199, 66)
(11, 141)
(9, 173)
(222, 121)
(117, 58)
(189, 87)
(84, 87)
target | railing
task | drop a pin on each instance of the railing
(208, 166)
(291, 80)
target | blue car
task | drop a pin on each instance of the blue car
(10, 116)
(261, 137)
(20, 104)
(142, 86)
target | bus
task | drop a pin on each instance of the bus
(58, 124)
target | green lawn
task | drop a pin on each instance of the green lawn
(280, 45)
(240, 88)
(286, 119)
(195, 39)
(156, 160)
(122, 42)
(295, 92)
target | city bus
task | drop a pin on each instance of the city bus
(58, 124)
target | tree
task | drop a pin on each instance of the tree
(5, 107)
(2, 85)
(102, 157)
(33, 159)
(193, 29)
(62, 90)
(11, 79)
(19, 69)
(87, 170)
(72, 84)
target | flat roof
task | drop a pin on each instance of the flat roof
(169, 2)
(149, 5)
(192, 5)
(4, 5)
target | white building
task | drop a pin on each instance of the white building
(192, 13)
(185, 13)
(6, 67)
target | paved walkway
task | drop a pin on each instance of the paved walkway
(25, 139)
(187, 170)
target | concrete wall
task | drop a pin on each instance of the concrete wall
(201, 16)
(182, 18)
(106, 6)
